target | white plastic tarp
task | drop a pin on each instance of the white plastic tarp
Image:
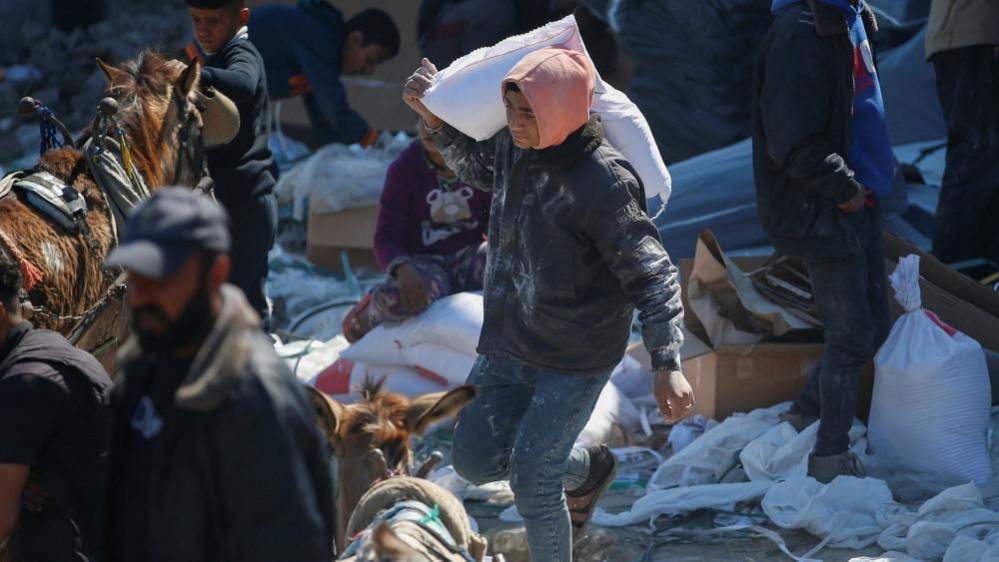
(339, 177)
(709, 458)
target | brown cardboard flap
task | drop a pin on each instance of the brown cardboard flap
(350, 232)
(742, 378)
(976, 322)
(351, 228)
(943, 277)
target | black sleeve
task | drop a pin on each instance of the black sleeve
(33, 404)
(795, 103)
(630, 245)
(238, 80)
(276, 508)
(473, 162)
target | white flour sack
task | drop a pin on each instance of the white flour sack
(467, 96)
(932, 395)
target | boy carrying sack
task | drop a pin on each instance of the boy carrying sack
(572, 253)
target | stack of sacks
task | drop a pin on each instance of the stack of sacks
(429, 353)
(436, 351)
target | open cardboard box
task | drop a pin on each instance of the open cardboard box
(350, 232)
(737, 378)
(741, 378)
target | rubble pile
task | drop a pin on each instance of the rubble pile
(58, 68)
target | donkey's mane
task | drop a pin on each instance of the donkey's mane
(381, 415)
(142, 88)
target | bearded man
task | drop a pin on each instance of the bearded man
(215, 453)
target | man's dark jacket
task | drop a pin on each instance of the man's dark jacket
(802, 124)
(572, 253)
(247, 475)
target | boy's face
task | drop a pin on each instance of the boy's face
(213, 29)
(358, 60)
(521, 120)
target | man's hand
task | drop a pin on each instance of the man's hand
(856, 204)
(416, 85)
(413, 288)
(674, 395)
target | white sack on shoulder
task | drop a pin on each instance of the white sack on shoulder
(467, 96)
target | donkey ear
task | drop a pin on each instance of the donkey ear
(329, 412)
(428, 409)
(109, 71)
(189, 78)
(388, 545)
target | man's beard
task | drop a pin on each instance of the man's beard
(195, 320)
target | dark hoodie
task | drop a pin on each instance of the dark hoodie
(302, 46)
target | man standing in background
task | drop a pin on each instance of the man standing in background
(962, 41)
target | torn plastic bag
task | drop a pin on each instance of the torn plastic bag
(708, 459)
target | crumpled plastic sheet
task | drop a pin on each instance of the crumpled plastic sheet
(308, 358)
(301, 292)
(891, 556)
(673, 501)
(958, 524)
(714, 454)
(687, 431)
(447, 478)
(339, 176)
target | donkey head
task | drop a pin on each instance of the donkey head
(370, 439)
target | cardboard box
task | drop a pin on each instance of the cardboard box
(378, 98)
(956, 298)
(351, 231)
(741, 378)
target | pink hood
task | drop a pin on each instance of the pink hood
(558, 84)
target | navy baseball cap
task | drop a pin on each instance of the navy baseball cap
(166, 229)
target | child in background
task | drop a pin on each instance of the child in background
(241, 169)
(429, 238)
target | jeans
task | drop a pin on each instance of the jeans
(852, 298)
(522, 427)
(968, 85)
